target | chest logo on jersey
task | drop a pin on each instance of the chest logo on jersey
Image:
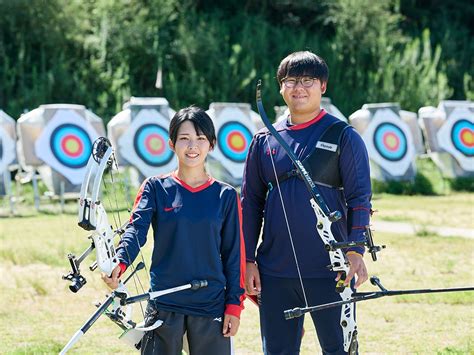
(169, 209)
(273, 151)
(326, 146)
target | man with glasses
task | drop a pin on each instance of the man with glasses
(289, 268)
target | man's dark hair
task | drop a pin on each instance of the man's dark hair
(199, 118)
(304, 63)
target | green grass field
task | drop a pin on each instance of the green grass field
(39, 313)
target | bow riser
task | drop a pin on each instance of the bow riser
(339, 264)
(103, 237)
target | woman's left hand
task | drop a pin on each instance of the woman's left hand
(231, 325)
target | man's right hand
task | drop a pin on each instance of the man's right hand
(252, 279)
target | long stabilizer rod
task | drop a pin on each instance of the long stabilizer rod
(364, 296)
(193, 285)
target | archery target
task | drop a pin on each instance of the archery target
(234, 132)
(151, 144)
(71, 145)
(389, 142)
(462, 135)
(66, 144)
(234, 140)
(145, 143)
(456, 136)
(7, 150)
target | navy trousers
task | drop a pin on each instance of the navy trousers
(283, 337)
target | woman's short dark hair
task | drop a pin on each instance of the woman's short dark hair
(303, 63)
(199, 118)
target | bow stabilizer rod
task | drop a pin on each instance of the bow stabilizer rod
(193, 285)
(364, 296)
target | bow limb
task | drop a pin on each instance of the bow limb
(325, 218)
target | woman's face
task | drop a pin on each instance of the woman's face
(191, 147)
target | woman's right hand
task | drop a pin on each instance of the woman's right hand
(252, 279)
(113, 280)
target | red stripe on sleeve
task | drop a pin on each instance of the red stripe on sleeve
(242, 252)
(138, 198)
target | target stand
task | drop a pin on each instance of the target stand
(141, 135)
(7, 157)
(234, 131)
(389, 140)
(449, 135)
(56, 141)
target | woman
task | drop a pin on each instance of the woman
(196, 223)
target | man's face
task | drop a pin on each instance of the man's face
(302, 94)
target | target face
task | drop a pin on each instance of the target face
(390, 141)
(234, 132)
(71, 145)
(462, 135)
(145, 143)
(234, 140)
(456, 136)
(65, 144)
(151, 144)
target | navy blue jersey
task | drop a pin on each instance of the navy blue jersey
(259, 204)
(197, 235)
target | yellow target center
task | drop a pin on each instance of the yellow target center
(468, 138)
(156, 144)
(391, 141)
(72, 146)
(237, 142)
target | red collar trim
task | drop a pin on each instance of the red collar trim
(190, 188)
(320, 115)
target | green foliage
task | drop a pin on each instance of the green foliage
(462, 184)
(428, 181)
(420, 186)
(99, 53)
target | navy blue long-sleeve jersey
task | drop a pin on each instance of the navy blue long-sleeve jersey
(259, 204)
(197, 235)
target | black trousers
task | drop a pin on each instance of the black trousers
(204, 335)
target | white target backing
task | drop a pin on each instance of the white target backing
(456, 136)
(65, 144)
(145, 143)
(234, 132)
(7, 150)
(389, 142)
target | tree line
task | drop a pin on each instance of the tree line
(99, 53)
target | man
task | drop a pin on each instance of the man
(290, 266)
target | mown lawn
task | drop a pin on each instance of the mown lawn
(39, 313)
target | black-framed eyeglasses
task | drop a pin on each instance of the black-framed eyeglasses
(306, 81)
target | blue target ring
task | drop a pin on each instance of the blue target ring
(151, 145)
(71, 145)
(234, 140)
(462, 136)
(390, 141)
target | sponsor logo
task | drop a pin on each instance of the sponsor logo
(219, 319)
